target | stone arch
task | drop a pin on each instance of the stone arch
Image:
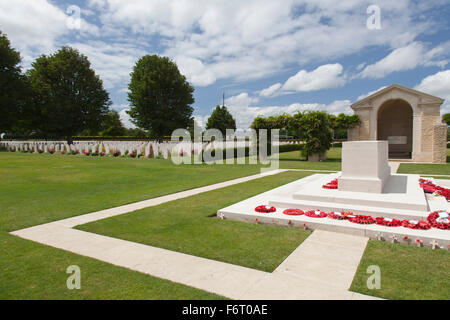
(395, 124)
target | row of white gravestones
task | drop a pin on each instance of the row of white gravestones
(148, 149)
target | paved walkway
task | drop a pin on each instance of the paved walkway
(322, 267)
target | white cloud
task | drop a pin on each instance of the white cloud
(32, 26)
(195, 71)
(212, 40)
(323, 77)
(112, 62)
(270, 91)
(37, 27)
(406, 58)
(438, 85)
(369, 93)
(125, 118)
(243, 110)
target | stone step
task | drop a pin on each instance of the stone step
(401, 192)
(372, 231)
(394, 213)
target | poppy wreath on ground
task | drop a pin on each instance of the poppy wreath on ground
(439, 220)
(339, 215)
(414, 224)
(265, 209)
(315, 214)
(293, 212)
(430, 187)
(331, 185)
(387, 222)
(361, 219)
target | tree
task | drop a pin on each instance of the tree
(342, 123)
(160, 96)
(68, 96)
(446, 118)
(13, 91)
(221, 119)
(316, 131)
(112, 126)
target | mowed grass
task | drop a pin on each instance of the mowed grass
(426, 168)
(36, 189)
(186, 225)
(39, 188)
(407, 272)
(295, 160)
(29, 270)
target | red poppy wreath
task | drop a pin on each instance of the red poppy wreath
(331, 185)
(361, 219)
(315, 214)
(339, 215)
(388, 222)
(265, 209)
(439, 220)
(418, 225)
(293, 212)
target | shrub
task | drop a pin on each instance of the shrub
(290, 147)
(115, 153)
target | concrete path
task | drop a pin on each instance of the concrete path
(394, 166)
(322, 267)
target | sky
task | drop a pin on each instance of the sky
(268, 57)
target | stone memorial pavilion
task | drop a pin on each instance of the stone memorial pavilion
(408, 119)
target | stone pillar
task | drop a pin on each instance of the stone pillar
(440, 143)
(365, 166)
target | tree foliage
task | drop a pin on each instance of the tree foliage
(13, 89)
(221, 119)
(314, 128)
(446, 118)
(160, 96)
(112, 126)
(68, 96)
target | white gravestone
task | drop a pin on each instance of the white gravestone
(365, 166)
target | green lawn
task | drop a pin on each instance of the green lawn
(294, 160)
(186, 225)
(39, 188)
(407, 272)
(428, 169)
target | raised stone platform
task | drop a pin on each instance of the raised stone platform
(304, 194)
(400, 192)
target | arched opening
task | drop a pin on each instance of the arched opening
(395, 124)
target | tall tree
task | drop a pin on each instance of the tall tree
(69, 96)
(160, 96)
(221, 119)
(112, 126)
(12, 86)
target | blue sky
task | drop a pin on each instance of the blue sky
(268, 56)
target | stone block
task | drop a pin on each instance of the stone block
(365, 166)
